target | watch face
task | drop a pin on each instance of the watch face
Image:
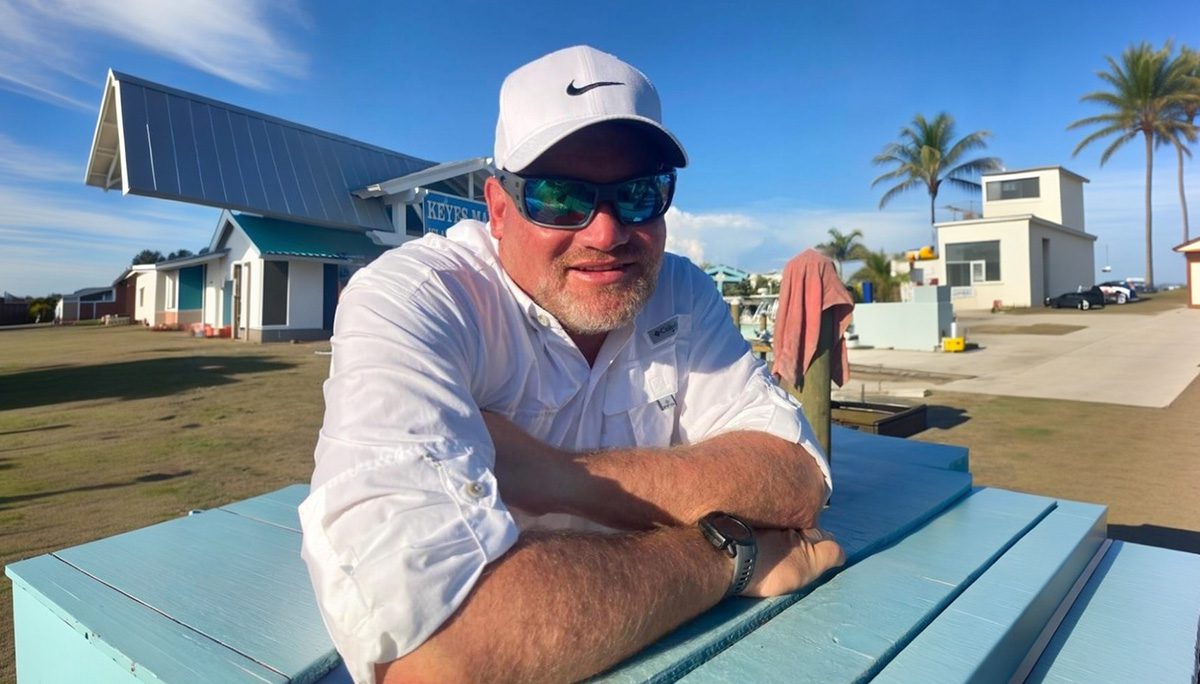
(731, 528)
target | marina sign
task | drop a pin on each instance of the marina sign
(442, 211)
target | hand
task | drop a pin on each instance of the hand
(790, 559)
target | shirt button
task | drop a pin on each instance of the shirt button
(543, 321)
(475, 490)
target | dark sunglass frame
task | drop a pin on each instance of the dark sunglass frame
(515, 186)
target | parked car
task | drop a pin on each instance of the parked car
(1118, 291)
(1083, 300)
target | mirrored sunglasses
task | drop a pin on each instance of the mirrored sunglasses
(571, 204)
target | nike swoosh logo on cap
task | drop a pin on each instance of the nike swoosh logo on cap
(572, 90)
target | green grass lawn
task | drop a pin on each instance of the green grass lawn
(104, 430)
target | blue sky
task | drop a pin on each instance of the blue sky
(781, 106)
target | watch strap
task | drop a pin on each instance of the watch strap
(743, 569)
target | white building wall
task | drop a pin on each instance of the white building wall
(1060, 197)
(1194, 283)
(1071, 189)
(243, 253)
(146, 297)
(1013, 289)
(1072, 262)
(1048, 205)
(215, 274)
(254, 296)
(306, 294)
(169, 286)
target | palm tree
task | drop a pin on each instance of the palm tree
(928, 156)
(877, 269)
(843, 247)
(1148, 89)
(1187, 112)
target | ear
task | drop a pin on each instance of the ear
(499, 206)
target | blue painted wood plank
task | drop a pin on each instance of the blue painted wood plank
(846, 440)
(276, 508)
(848, 628)
(235, 580)
(875, 503)
(1136, 620)
(985, 634)
(70, 627)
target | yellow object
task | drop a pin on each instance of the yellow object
(954, 344)
(923, 254)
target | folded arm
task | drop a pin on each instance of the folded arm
(564, 607)
(765, 480)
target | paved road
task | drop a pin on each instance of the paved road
(1116, 358)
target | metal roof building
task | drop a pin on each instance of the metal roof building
(302, 196)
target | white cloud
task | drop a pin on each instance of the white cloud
(25, 163)
(43, 43)
(56, 242)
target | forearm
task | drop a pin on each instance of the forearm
(564, 607)
(768, 481)
(763, 479)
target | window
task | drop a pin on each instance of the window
(169, 285)
(1018, 188)
(275, 293)
(141, 296)
(970, 263)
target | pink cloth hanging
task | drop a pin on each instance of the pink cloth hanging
(810, 286)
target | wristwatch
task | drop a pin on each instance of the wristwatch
(735, 539)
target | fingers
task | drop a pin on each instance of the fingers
(790, 559)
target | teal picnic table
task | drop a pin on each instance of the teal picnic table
(945, 582)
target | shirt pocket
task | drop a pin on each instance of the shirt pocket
(643, 404)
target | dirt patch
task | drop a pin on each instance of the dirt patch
(1035, 329)
(1143, 463)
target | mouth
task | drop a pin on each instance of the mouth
(602, 272)
(601, 267)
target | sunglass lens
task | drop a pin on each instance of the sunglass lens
(559, 202)
(643, 199)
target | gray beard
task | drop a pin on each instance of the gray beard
(583, 318)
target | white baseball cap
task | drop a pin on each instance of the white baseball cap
(554, 96)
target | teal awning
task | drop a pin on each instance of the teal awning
(276, 237)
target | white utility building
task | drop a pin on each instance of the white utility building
(1029, 244)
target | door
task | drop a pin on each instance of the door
(227, 302)
(329, 300)
(237, 301)
(1045, 270)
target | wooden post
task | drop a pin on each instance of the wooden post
(817, 385)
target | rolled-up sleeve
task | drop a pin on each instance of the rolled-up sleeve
(727, 388)
(404, 513)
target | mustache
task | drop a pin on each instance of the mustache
(625, 252)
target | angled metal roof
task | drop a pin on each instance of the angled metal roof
(157, 141)
(464, 178)
(276, 237)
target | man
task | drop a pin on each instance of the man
(553, 370)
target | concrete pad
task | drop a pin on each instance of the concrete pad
(1127, 359)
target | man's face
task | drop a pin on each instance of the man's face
(598, 278)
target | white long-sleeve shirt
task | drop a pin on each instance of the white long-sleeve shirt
(404, 511)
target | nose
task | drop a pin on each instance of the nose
(605, 232)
